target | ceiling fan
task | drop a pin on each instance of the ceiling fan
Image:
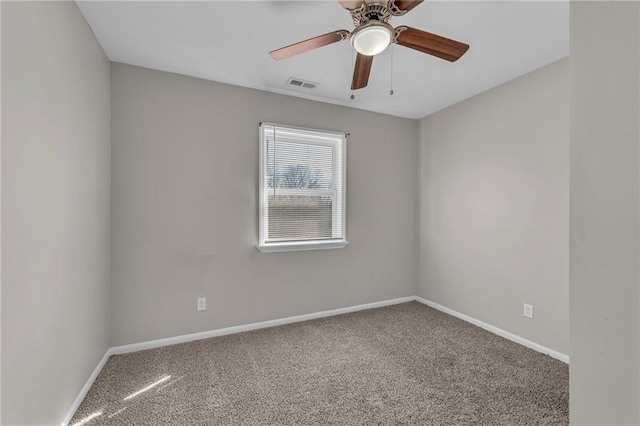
(373, 34)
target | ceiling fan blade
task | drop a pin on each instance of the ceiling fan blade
(351, 4)
(361, 71)
(432, 44)
(310, 44)
(406, 5)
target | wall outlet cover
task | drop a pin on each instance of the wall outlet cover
(528, 311)
(202, 303)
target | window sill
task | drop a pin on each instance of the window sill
(282, 247)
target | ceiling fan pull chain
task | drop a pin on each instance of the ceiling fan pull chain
(352, 67)
(391, 91)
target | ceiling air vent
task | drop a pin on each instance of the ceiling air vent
(298, 82)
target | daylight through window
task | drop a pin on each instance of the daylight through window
(302, 197)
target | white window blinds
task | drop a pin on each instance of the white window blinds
(302, 181)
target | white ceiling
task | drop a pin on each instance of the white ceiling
(229, 41)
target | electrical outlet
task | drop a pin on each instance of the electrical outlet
(528, 311)
(202, 303)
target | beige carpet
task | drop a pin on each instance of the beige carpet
(406, 364)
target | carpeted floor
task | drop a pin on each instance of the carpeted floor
(406, 364)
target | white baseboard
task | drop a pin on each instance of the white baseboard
(289, 320)
(83, 392)
(495, 330)
(254, 326)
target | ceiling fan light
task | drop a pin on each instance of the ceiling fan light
(372, 38)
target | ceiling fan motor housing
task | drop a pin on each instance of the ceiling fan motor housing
(379, 10)
(370, 11)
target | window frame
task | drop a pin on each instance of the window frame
(321, 244)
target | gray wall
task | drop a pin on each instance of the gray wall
(604, 242)
(184, 209)
(55, 208)
(494, 206)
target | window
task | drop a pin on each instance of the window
(302, 189)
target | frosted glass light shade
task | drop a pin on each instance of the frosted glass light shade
(372, 38)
